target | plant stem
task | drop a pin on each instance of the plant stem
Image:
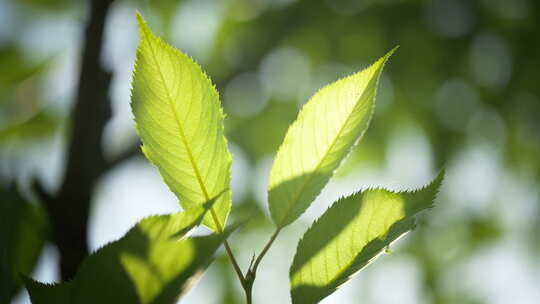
(252, 271)
(247, 280)
(235, 264)
(263, 252)
(248, 286)
(228, 249)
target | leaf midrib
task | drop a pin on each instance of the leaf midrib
(182, 134)
(333, 282)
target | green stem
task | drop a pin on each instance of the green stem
(263, 252)
(235, 264)
(252, 271)
(228, 248)
(247, 288)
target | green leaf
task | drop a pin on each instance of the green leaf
(152, 263)
(40, 125)
(326, 129)
(23, 231)
(42, 293)
(180, 121)
(350, 234)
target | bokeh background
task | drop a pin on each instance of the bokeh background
(462, 92)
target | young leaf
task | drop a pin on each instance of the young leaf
(180, 121)
(152, 263)
(350, 234)
(330, 123)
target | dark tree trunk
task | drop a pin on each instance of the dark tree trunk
(68, 209)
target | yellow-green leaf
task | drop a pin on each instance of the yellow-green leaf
(326, 129)
(180, 121)
(350, 234)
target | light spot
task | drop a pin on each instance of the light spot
(449, 18)
(490, 61)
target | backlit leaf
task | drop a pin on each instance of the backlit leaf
(180, 121)
(350, 234)
(152, 263)
(326, 129)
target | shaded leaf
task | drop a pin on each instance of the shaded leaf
(42, 293)
(152, 263)
(180, 121)
(350, 234)
(326, 129)
(40, 125)
(23, 231)
(19, 67)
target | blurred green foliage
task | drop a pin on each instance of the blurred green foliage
(463, 89)
(23, 231)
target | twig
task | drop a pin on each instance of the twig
(252, 271)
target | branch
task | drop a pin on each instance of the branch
(68, 210)
(130, 152)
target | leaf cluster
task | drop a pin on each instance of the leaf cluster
(179, 119)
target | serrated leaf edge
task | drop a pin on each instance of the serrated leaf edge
(301, 114)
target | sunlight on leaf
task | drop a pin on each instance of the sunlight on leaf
(351, 234)
(180, 121)
(152, 263)
(326, 129)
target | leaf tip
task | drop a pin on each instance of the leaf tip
(382, 61)
(437, 181)
(432, 189)
(140, 19)
(142, 25)
(392, 51)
